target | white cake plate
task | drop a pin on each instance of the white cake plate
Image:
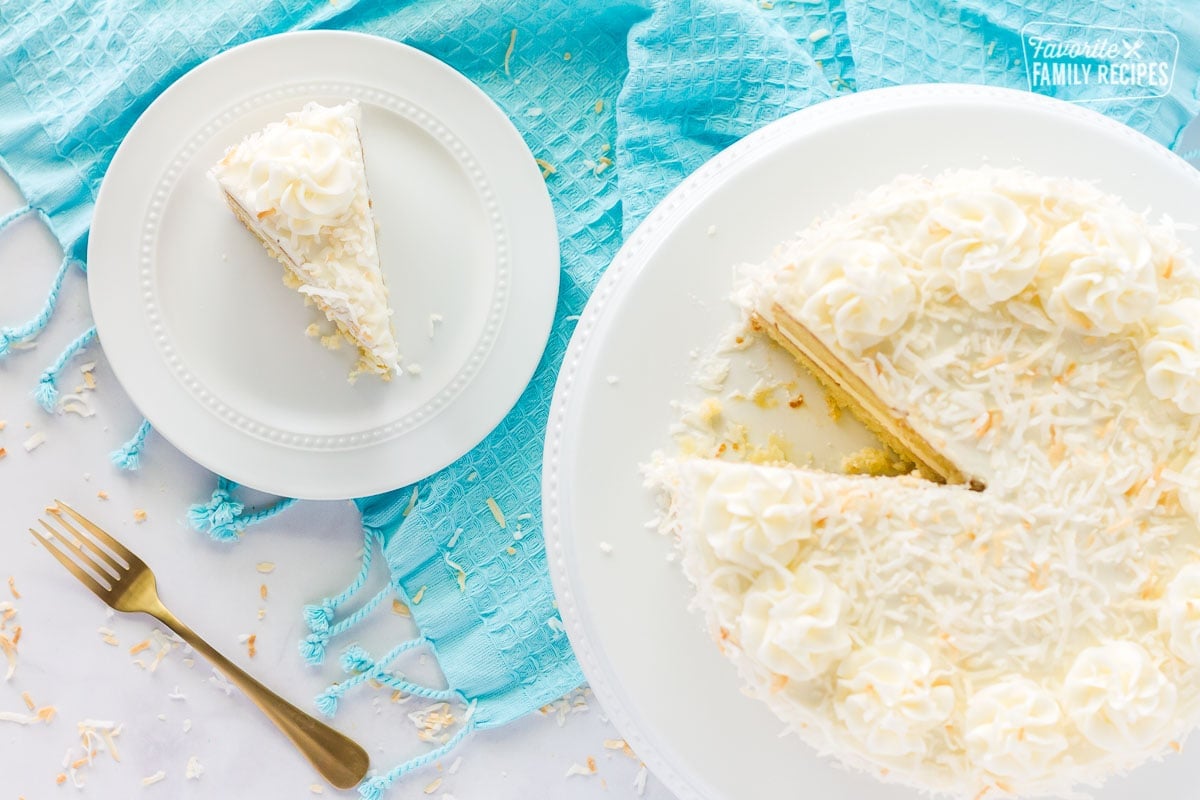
(211, 346)
(666, 687)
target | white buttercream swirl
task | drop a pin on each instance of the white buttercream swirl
(1171, 356)
(1118, 698)
(889, 700)
(1179, 614)
(754, 518)
(1013, 729)
(859, 290)
(984, 241)
(1098, 273)
(305, 175)
(793, 624)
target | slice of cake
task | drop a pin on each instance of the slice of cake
(300, 186)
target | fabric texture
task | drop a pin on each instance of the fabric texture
(621, 101)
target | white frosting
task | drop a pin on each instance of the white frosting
(1071, 389)
(1189, 487)
(1117, 698)
(306, 175)
(1013, 729)
(860, 290)
(1179, 614)
(889, 700)
(985, 242)
(752, 520)
(303, 183)
(1098, 273)
(1171, 356)
(792, 623)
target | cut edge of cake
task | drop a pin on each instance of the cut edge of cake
(851, 392)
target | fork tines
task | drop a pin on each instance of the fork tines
(100, 569)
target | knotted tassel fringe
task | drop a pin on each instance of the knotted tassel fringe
(222, 516)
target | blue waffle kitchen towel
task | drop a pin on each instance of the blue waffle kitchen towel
(620, 101)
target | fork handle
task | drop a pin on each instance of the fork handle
(338, 759)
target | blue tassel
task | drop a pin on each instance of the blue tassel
(45, 394)
(374, 788)
(220, 516)
(355, 659)
(129, 455)
(313, 648)
(319, 618)
(327, 703)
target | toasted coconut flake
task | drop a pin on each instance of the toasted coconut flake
(139, 515)
(416, 598)
(433, 786)
(103, 495)
(400, 608)
(512, 44)
(12, 587)
(34, 442)
(639, 781)
(3, 452)
(150, 780)
(262, 591)
(10, 653)
(193, 770)
(496, 512)
(412, 501)
(266, 567)
(460, 574)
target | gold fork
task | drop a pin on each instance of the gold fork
(124, 582)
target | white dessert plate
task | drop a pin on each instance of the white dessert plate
(649, 660)
(211, 346)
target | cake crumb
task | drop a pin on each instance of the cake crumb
(313, 330)
(613, 380)
(139, 515)
(712, 230)
(606, 548)
(434, 321)
(833, 407)
(415, 369)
